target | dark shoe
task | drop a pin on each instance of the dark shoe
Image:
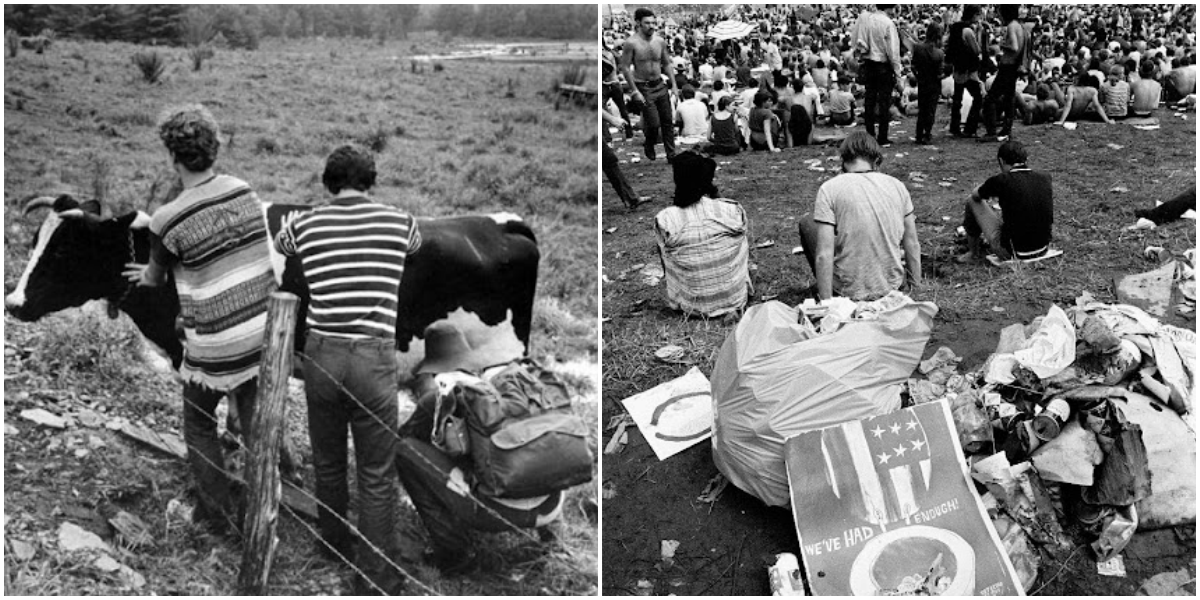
(924, 141)
(670, 158)
(650, 153)
(885, 143)
(628, 132)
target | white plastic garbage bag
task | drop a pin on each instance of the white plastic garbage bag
(775, 378)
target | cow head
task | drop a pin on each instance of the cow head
(77, 256)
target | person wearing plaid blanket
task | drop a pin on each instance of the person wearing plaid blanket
(702, 243)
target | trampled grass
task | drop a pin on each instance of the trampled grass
(80, 119)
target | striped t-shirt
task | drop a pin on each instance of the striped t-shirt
(216, 239)
(352, 253)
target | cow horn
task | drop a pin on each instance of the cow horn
(36, 203)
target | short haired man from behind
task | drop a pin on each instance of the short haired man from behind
(1022, 229)
(352, 253)
(861, 239)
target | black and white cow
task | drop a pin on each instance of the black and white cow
(480, 271)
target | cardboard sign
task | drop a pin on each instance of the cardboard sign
(884, 505)
(675, 415)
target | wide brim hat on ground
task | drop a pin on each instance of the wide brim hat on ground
(447, 349)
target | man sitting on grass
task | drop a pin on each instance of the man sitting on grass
(1022, 228)
(861, 238)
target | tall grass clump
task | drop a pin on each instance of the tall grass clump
(86, 343)
(199, 54)
(572, 74)
(12, 42)
(151, 64)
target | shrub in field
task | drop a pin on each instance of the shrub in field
(266, 146)
(376, 140)
(438, 67)
(199, 54)
(151, 64)
(12, 42)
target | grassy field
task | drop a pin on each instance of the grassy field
(81, 119)
(726, 547)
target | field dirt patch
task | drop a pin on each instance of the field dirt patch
(726, 546)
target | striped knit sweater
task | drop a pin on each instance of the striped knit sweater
(217, 244)
(352, 253)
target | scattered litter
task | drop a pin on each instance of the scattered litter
(945, 217)
(798, 250)
(1113, 567)
(178, 511)
(998, 309)
(916, 176)
(620, 438)
(1070, 126)
(784, 576)
(724, 162)
(651, 275)
(44, 417)
(635, 159)
(1154, 252)
(1171, 583)
(900, 155)
(610, 230)
(1115, 146)
(949, 179)
(765, 244)
(89, 418)
(667, 551)
(10, 431)
(960, 232)
(73, 537)
(675, 415)
(769, 297)
(945, 183)
(1142, 223)
(1118, 530)
(714, 488)
(672, 354)
(644, 588)
(1120, 189)
(1146, 127)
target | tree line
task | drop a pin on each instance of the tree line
(243, 26)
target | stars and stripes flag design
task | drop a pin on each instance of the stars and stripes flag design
(891, 465)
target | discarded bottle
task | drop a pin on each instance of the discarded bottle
(785, 575)
(1048, 424)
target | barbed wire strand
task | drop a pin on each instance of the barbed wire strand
(239, 528)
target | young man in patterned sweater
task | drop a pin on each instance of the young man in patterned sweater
(213, 239)
(352, 253)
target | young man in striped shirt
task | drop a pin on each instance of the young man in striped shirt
(352, 253)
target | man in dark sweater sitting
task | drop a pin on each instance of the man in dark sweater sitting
(1022, 228)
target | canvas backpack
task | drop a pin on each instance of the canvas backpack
(518, 429)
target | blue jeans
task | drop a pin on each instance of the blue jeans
(657, 117)
(352, 382)
(879, 79)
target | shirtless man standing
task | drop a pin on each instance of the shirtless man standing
(644, 60)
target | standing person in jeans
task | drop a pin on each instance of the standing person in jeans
(878, 43)
(353, 252)
(645, 59)
(1014, 58)
(927, 65)
(963, 51)
(213, 239)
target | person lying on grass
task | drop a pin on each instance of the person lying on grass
(1083, 101)
(1022, 228)
(702, 243)
(861, 238)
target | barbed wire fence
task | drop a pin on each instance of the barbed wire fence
(301, 519)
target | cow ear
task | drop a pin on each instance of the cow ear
(65, 202)
(91, 206)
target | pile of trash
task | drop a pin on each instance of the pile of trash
(786, 370)
(1081, 417)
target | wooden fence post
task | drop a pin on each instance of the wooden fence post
(265, 436)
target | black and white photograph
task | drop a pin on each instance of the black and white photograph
(301, 300)
(828, 226)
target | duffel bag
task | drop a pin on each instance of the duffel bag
(534, 456)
